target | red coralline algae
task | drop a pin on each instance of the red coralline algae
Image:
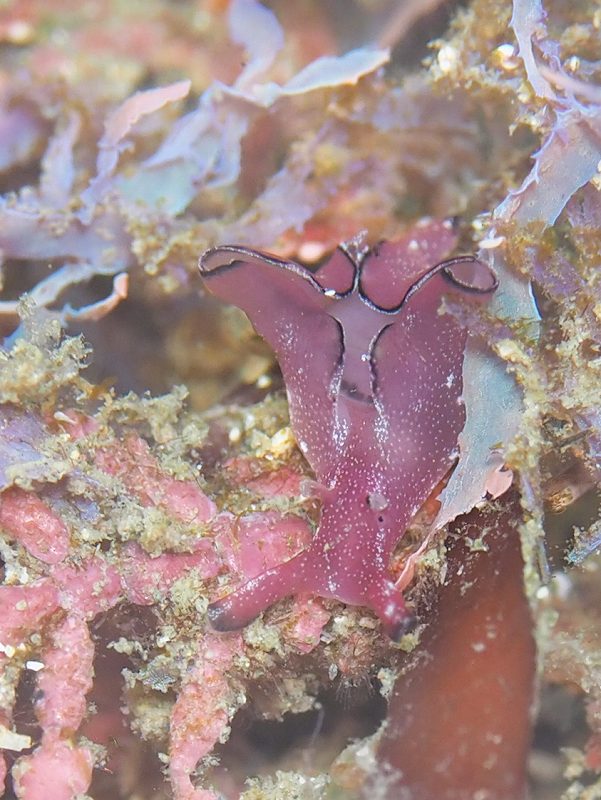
(66, 678)
(145, 577)
(28, 520)
(307, 621)
(58, 770)
(373, 373)
(24, 607)
(88, 588)
(72, 592)
(200, 715)
(133, 463)
(283, 481)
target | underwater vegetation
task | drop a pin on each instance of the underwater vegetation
(348, 546)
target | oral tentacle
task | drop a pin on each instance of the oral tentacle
(389, 605)
(246, 603)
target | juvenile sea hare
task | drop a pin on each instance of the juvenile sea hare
(373, 375)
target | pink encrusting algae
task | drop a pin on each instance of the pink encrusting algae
(75, 592)
(57, 768)
(27, 519)
(133, 463)
(202, 713)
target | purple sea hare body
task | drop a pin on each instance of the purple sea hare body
(373, 373)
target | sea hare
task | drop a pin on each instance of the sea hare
(373, 373)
